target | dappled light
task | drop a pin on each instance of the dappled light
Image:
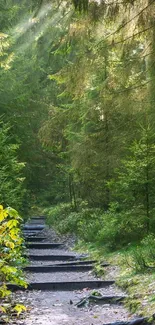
(77, 144)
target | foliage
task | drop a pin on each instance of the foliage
(85, 223)
(78, 92)
(134, 188)
(11, 260)
(111, 229)
(81, 5)
(77, 111)
(11, 170)
(141, 258)
(24, 89)
(57, 213)
(74, 93)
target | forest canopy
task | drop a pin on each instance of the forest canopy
(77, 103)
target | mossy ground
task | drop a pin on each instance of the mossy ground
(139, 286)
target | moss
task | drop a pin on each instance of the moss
(132, 304)
(99, 270)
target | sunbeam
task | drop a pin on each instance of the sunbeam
(31, 28)
(27, 22)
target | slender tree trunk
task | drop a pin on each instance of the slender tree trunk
(70, 189)
(72, 193)
(150, 114)
(74, 197)
(147, 188)
(107, 158)
(107, 141)
(150, 74)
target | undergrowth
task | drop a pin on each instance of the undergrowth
(108, 236)
(11, 261)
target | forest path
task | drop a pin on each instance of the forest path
(59, 279)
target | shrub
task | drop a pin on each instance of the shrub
(86, 223)
(120, 228)
(11, 260)
(112, 228)
(56, 214)
(90, 224)
(142, 256)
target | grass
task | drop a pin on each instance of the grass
(140, 286)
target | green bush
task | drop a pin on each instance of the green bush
(142, 256)
(86, 223)
(57, 214)
(112, 229)
(11, 259)
(120, 228)
(90, 224)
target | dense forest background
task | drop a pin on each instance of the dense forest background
(77, 98)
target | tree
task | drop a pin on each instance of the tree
(134, 187)
(11, 170)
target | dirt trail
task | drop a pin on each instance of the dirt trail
(51, 307)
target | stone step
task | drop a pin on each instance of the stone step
(33, 227)
(31, 232)
(136, 321)
(77, 262)
(38, 218)
(51, 257)
(34, 239)
(35, 221)
(62, 286)
(66, 267)
(44, 245)
(60, 268)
